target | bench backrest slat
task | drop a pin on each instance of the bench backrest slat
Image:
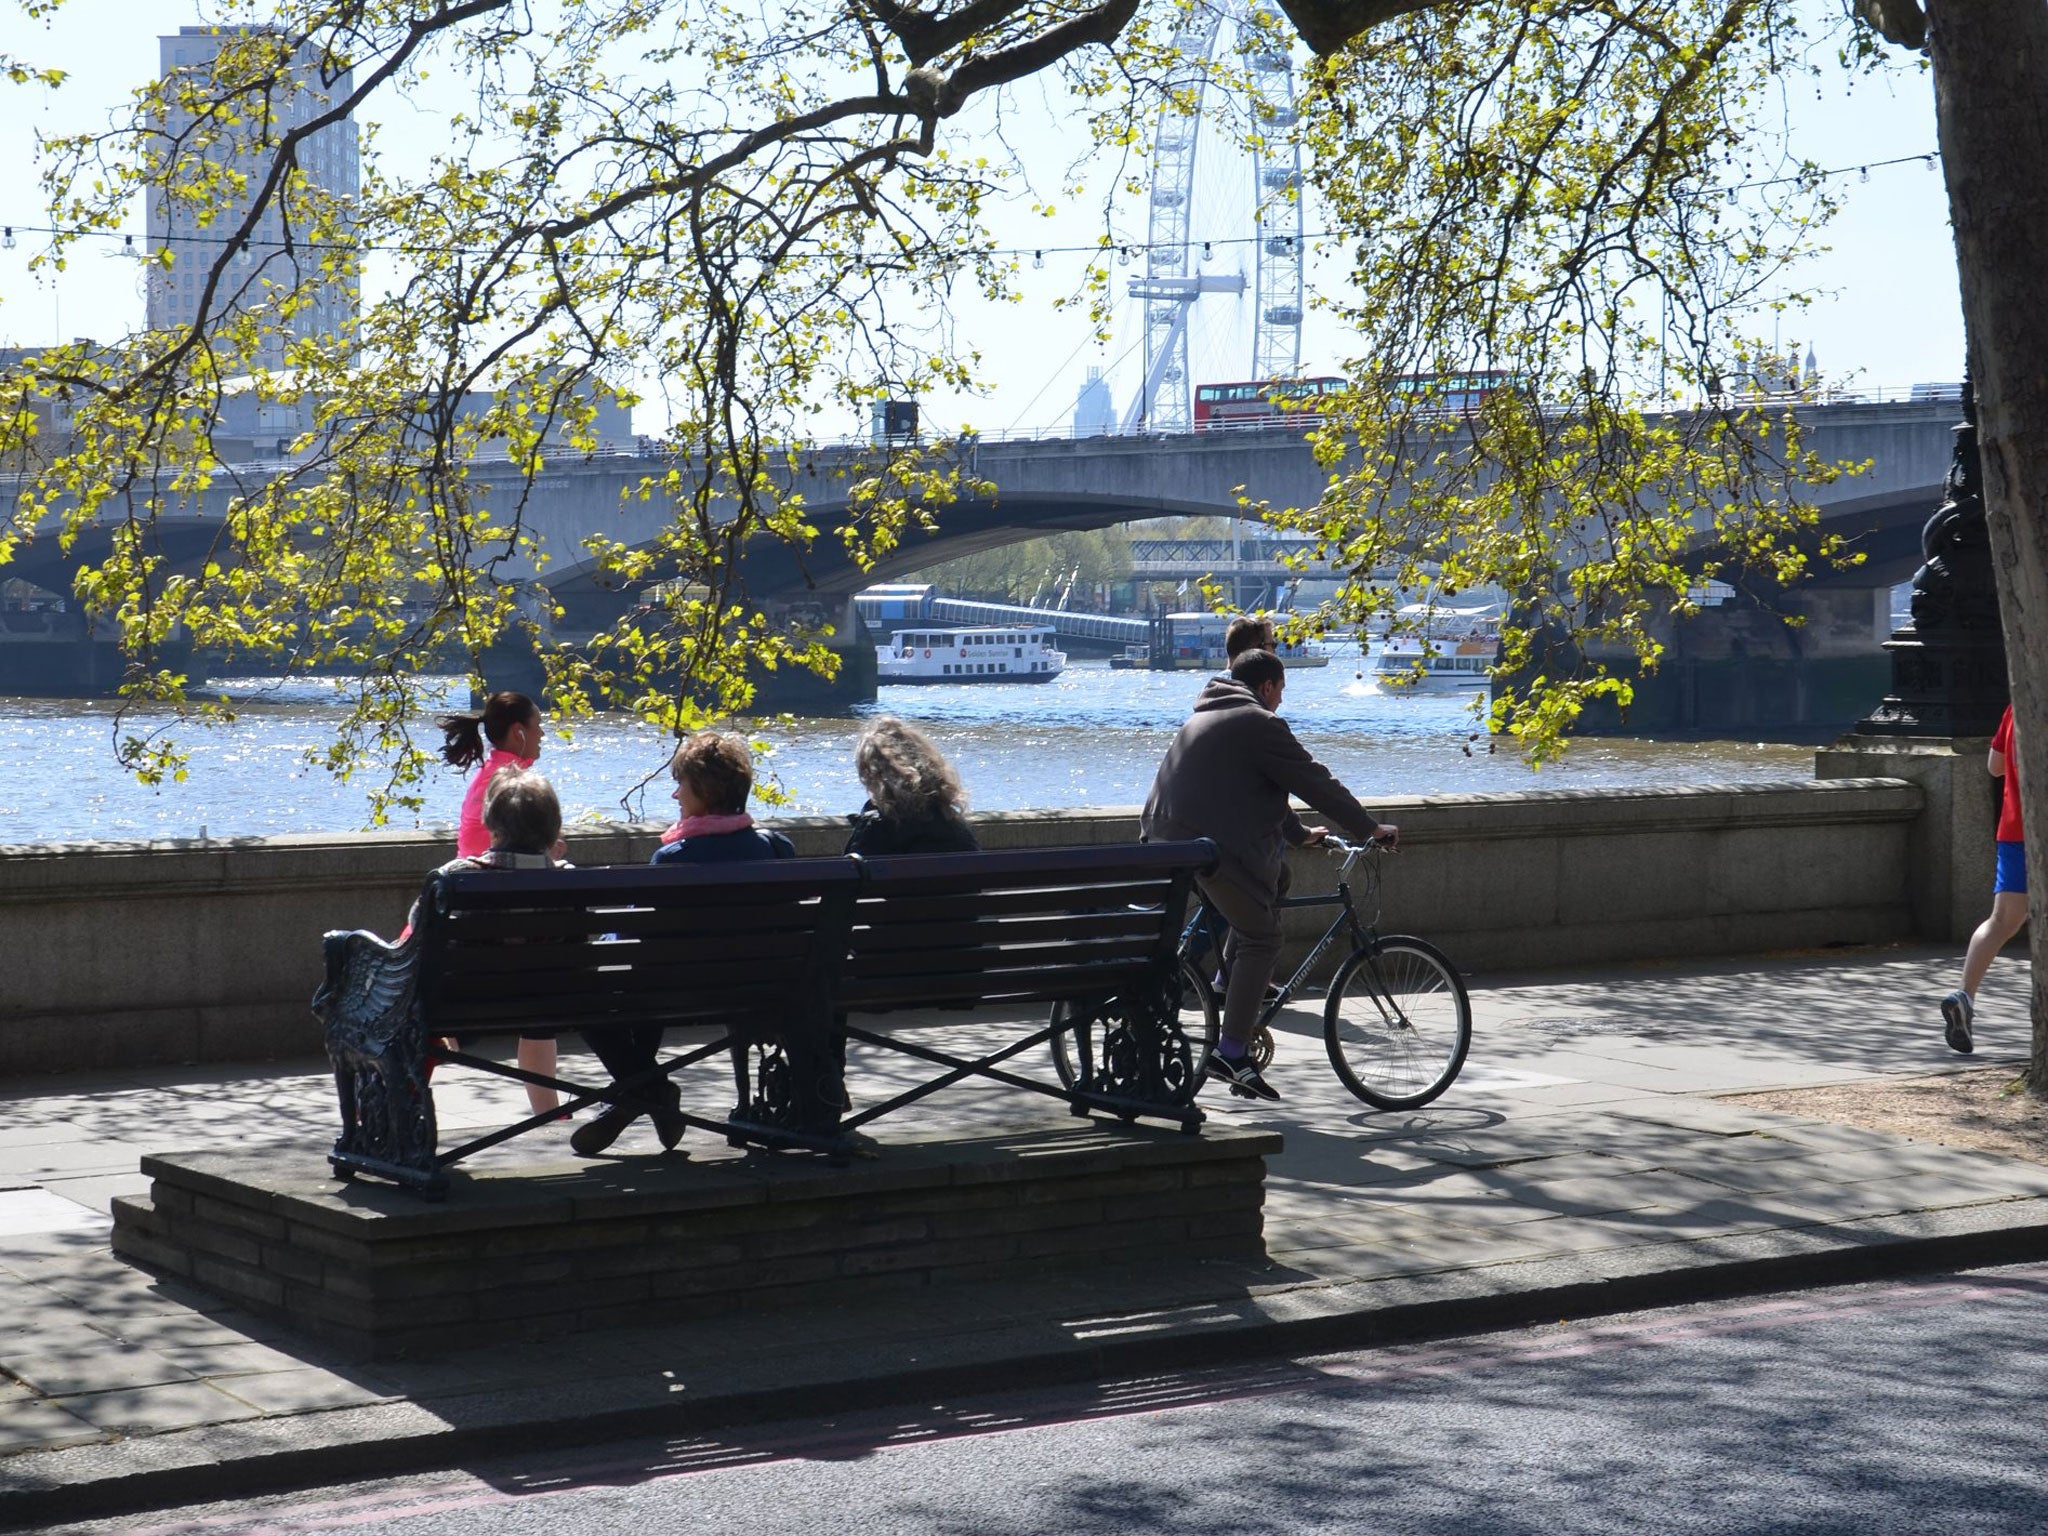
(579, 924)
(993, 959)
(584, 956)
(1030, 928)
(1046, 983)
(914, 908)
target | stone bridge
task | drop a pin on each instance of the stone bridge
(1056, 484)
(1051, 484)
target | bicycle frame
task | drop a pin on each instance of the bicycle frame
(1206, 928)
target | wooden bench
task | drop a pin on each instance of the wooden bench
(776, 955)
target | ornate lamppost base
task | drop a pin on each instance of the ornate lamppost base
(1948, 690)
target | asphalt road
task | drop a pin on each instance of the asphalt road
(1898, 1408)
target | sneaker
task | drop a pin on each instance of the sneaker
(590, 1139)
(1242, 1075)
(668, 1116)
(1956, 1010)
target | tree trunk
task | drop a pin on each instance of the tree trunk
(1991, 109)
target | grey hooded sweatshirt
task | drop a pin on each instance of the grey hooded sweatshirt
(1227, 776)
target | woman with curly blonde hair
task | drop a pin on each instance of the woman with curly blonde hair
(915, 802)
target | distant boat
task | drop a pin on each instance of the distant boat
(1456, 652)
(1193, 642)
(995, 655)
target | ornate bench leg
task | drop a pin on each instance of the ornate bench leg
(380, 1064)
(796, 1092)
(1146, 1063)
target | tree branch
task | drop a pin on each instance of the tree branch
(935, 96)
(1896, 21)
(1328, 25)
(925, 36)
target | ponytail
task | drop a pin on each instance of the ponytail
(464, 746)
(466, 735)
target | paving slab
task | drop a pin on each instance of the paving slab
(96, 1192)
(32, 1422)
(1586, 1166)
(140, 1410)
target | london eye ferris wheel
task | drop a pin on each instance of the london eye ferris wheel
(1172, 283)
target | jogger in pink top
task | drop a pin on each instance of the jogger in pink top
(507, 734)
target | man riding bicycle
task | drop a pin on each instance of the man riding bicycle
(1227, 777)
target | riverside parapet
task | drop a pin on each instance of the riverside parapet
(190, 951)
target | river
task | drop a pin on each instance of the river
(1091, 738)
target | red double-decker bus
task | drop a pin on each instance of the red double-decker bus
(1225, 405)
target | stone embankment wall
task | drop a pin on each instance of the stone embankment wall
(121, 955)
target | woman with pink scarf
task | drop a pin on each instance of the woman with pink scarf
(714, 774)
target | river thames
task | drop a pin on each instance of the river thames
(1091, 738)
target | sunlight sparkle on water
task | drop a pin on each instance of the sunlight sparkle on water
(1091, 738)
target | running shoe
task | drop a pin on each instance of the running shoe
(1242, 1075)
(592, 1137)
(1956, 1011)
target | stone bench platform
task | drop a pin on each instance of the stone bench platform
(538, 1249)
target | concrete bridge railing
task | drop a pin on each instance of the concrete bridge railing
(123, 955)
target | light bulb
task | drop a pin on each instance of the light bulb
(7, 238)
(1206, 251)
(1123, 255)
(1038, 261)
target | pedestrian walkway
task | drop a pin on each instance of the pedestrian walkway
(1584, 1161)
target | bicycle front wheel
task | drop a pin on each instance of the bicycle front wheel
(1198, 1021)
(1398, 1023)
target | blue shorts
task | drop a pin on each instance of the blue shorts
(2012, 870)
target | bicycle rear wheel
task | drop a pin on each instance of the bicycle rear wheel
(1199, 1021)
(1398, 1023)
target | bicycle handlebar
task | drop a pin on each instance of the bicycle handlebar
(1337, 845)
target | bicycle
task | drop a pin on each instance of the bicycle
(1397, 1021)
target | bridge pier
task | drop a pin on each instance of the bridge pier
(54, 655)
(1741, 669)
(799, 691)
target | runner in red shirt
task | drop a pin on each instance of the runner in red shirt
(2008, 900)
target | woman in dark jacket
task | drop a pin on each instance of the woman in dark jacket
(714, 774)
(915, 802)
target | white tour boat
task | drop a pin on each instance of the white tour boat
(993, 655)
(1455, 652)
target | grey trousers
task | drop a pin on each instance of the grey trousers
(1252, 950)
